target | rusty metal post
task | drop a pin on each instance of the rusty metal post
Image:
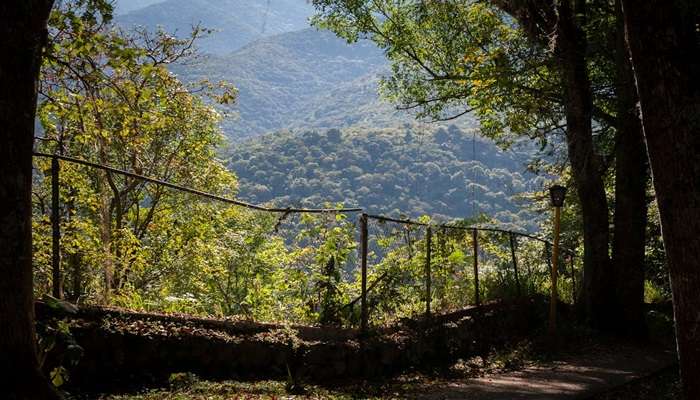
(555, 262)
(475, 243)
(573, 280)
(442, 247)
(364, 318)
(428, 240)
(515, 263)
(57, 291)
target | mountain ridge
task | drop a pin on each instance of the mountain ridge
(297, 80)
(235, 22)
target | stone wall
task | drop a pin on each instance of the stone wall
(125, 349)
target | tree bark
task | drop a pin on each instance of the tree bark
(597, 292)
(23, 32)
(630, 197)
(664, 44)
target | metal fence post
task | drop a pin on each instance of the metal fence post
(363, 299)
(475, 242)
(573, 281)
(515, 263)
(55, 231)
(428, 240)
(554, 295)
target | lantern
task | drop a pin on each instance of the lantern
(557, 193)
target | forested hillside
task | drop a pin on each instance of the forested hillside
(289, 76)
(235, 22)
(304, 79)
(393, 171)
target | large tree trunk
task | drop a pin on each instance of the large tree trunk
(630, 197)
(665, 46)
(73, 259)
(597, 292)
(23, 32)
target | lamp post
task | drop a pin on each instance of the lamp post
(557, 194)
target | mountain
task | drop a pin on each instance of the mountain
(292, 80)
(235, 22)
(311, 127)
(443, 172)
(303, 79)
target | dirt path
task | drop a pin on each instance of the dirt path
(569, 377)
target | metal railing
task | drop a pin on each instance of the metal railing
(364, 242)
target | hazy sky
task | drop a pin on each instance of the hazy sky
(124, 6)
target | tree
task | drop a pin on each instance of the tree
(539, 78)
(570, 49)
(631, 179)
(23, 29)
(107, 96)
(664, 44)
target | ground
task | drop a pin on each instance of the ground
(664, 385)
(601, 370)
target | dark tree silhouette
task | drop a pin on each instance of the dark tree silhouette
(664, 42)
(23, 31)
(631, 178)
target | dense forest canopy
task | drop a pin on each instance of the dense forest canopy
(412, 170)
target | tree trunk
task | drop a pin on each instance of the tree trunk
(630, 197)
(664, 44)
(73, 259)
(119, 272)
(597, 292)
(23, 32)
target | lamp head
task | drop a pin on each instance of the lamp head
(557, 193)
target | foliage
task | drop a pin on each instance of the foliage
(58, 350)
(107, 95)
(655, 269)
(399, 265)
(264, 390)
(489, 68)
(470, 57)
(446, 173)
(498, 62)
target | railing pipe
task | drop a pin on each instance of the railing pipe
(463, 228)
(198, 192)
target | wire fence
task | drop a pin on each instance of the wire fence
(370, 269)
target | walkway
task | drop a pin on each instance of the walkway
(569, 377)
